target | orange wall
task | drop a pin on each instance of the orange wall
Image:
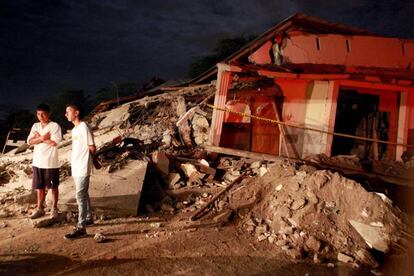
(410, 113)
(363, 51)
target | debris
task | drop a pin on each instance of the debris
(313, 243)
(4, 214)
(223, 217)
(345, 258)
(198, 214)
(201, 129)
(372, 235)
(155, 224)
(161, 161)
(366, 258)
(99, 238)
(47, 221)
(173, 178)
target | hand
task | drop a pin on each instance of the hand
(46, 136)
(36, 135)
(92, 149)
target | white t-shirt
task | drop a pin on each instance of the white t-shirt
(46, 156)
(81, 159)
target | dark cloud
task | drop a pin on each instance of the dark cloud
(49, 45)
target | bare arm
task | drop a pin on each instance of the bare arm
(92, 149)
(37, 138)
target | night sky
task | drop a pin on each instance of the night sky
(50, 45)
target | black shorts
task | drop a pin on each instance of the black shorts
(45, 178)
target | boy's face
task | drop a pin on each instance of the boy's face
(71, 114)
(43, 116)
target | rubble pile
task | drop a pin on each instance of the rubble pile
(14, 171)
(317, 214)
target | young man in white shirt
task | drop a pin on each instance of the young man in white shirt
(45, 135)
(83, 146)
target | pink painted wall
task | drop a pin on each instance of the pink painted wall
(294, 108)
(262, 56)
(341, 50)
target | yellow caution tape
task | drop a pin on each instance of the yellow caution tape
(308, 128)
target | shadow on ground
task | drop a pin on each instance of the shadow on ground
(41, 264)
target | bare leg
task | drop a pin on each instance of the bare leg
(55, 197)
(41, 195)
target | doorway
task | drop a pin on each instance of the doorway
(358, 114)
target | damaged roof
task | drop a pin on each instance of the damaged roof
(296, 22)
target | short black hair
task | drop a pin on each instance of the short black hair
(43, 107)
(76, 107)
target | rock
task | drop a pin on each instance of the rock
(223, 216)
(180, 106)
(366, 258)
(99, 238)
(161, 161)
(281, 243)
(313, 244)
(167, 207)
(262, 171)
(294, 253)
(4, 214)
(191, 172)
(3, 225)
(271, 238)
(46, 221)
(155, 224)
(373, 236)
(331, 265)
(173, 178)
(376, 272)
(285, 247)
(256, 165)
(285, 212)
(279, 187)
(201, 129)
(312, 197)
(320, 179)
(365, 212)
(261, 229)
(261, 237)
(377, 224)
(316, 259)
(294, 186)
(250, 229)
(345, 258)
(26, 197)
(298, 204)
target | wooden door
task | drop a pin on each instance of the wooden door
(265, 136)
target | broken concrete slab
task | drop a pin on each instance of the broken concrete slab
(117, 193)
(114, 116)
(373, 236)
(345, 258)
(161, 161)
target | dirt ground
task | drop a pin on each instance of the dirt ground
(137, 246)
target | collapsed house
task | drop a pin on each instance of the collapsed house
(317, 78)
(284, 94)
